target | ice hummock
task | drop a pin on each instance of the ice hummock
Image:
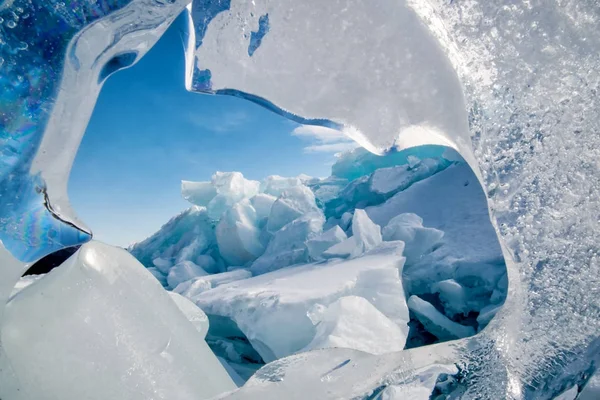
(464, 287)
(352, 322)
(103, 315)
(271, 309)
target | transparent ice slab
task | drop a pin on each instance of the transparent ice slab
(512, 85)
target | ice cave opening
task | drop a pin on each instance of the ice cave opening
(401, 244)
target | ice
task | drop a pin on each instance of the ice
(195, 286)
(453, 296)
(271, 309)
(317, 245)
(162, 265)
(468, 246)
(103, 315)
(420, 386)
(570, 394)
(198, 193)
(352, 322)
(193, 313)
(159, 275)
(523, 113)
(394, 179)
(409, 228)
(238, 235)
(187, 237)
(487, 313)
(289, 244)
(183, 271)
(435, 322)
(275, 185)
(591, 390)
(231, 187)
(237, 379)
(262, 204)
(365, 236)
(291, 204)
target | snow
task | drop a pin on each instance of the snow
(365, 236)
(352, 322)
(271, 309)
(101, 314)
(183, 271)
(435, 322)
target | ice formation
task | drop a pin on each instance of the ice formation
(72, 348)
(513, 87)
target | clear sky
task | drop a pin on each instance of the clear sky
(148, 133)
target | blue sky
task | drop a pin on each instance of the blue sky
(148, 133)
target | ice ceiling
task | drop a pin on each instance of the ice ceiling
(512, 85)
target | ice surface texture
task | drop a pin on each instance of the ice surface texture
(59, 336)
(391, 72)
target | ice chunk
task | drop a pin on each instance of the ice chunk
(275, 185)
(591, 391)
(289, 245)
(487, 313)
(231, 187)
(194, 287)
(437, 323)
(570, 394)
(24, 282)
(352, 322)
(317, 245)
(184, 238)
(238, 235)
(262, 204)
(409, 228)
(394, 179)
(293, 203)
(346, 221)
(420, 385)
(192, 312)
(109, 323)
(468, 237)
(206, 262)
(162, 265)
(360, 162)
(183, 271)
(453, 297)
(158, 275)
(271, 309)
(237, 379)
(365, 236)
(198, 193)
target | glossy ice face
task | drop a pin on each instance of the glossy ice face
(514, 87)
(54, 58)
